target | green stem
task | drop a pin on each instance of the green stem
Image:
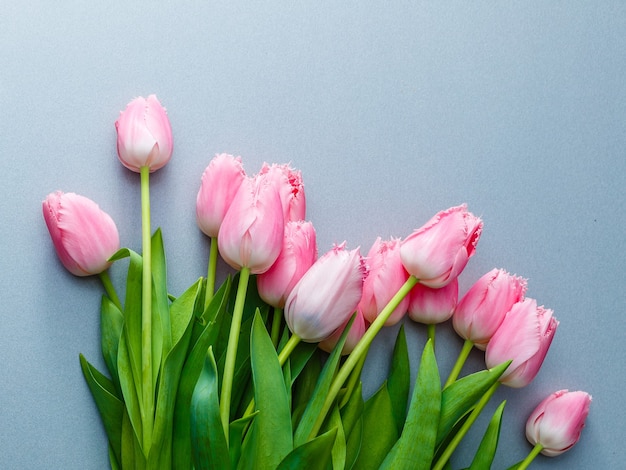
(360, 350)
(456, 440)
(109, 289)
(211, 273)
(530, 457)
(146, 313)
(231, 351)
(431, 333)
(276, 324)
(353, 380)
(460, 361)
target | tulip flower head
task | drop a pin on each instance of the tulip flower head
(524, 337)
(220, 182)
(84, 236)
(290, 187)
(437, 252)
(483, 308)
(431, 306)
(357, 330)
(298, 253)
(557, 422)
(386, 275)
(327, 295)
(144, 135)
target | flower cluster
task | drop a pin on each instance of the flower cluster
(264, 371)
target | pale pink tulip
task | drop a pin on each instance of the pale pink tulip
(437, 252)
(220, 182)
(524, 336)
(251, 234)
(144, 135)
(557, 421)
(290, 187)
(385, 277)
(357, 330)
(298, 253)
(431, 306)
(482, 309)
(84, 236)
(327, 295)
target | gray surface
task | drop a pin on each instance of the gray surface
(391, 111)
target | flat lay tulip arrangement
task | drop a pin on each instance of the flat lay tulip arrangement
(264, 371)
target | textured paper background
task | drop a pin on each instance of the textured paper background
(392, 110)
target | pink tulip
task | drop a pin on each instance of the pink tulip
(144, 135)
(84, 236)
(431, 306)
(290, 187)
(251, 234)
(298, 253)
(482, 309)
(357, 330)
(557, 421)
(385, 277)
(220, 182)
(524, 336)
(327, 295)
(437, 252)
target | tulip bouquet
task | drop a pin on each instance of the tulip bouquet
(264, 371)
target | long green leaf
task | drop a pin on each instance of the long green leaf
(313, 455)
(160, 302)
(111, 325)
(128, 385)
(399, 379)
(489, 444)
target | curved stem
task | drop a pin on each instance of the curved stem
(146, 313)
(231, 351)
(109, 289)
(431, 333)
(460, 361)
(211, 273)
(360, 350)
(530, 457)
(288, 349)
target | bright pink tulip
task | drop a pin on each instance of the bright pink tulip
(220, 182)
(297, 255)
(144, 135)
(251, 234)
(357, 330)
(431, 306)
(290, 187)
(327, 295)
(84, 236)
(385, 277)
(557, 421)
(524, 336)
(482, 309)
(437, 252)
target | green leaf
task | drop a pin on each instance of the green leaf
(460, 397)
(353, 443)
(111, 325)
(422, 419)
(313, 455)
(399, 379)
(489, 444)
(160, 302)
(353, 408)
(303, 387)
(210, 450)
(237, 429)
(380, 431)
(128, 384)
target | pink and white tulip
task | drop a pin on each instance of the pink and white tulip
(524, 337)
(298, 253)
(557, 422)
(431, 306)
(437, 252)
(144, 135)
(386, 275)
(84, 236)
(327, 295)
(483, 308)
(290, 187)
(357, 330)
(251, 234)
(220, 181)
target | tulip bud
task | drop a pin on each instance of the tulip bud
(386, 275)
(84, 236)
(297, 255)
(290, 187)
(357, 330)
(144, 135)
(557, 421)
(524, 336)
(437, 252)
(431, 306)
(251, 234)
(327, 295)
(220, 182)
(483, 308)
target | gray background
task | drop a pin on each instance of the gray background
(392, 110)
